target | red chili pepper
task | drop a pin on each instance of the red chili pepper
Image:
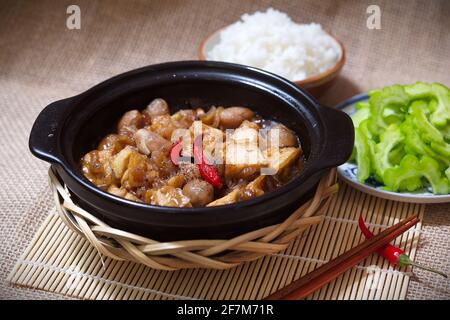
(207, 171)
(210, 175)
(175, 153)
(395, 255)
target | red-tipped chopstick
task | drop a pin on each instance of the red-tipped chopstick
(304, 286)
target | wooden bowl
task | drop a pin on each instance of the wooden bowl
(316, 85)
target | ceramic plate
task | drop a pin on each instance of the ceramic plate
(348, 171)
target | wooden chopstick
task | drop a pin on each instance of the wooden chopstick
(324, 274)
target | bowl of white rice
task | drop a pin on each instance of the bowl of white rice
(303, 53)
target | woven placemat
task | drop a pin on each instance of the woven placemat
(58, 260)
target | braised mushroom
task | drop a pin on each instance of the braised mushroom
(232, 117)
(130, 122)
(148, 141)
(115, 143)
(157, 107)
(286, 136)
(199, 192)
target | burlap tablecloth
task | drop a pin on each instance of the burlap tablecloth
(42, 61)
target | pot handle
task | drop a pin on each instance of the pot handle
(339, 138)
(44, 134)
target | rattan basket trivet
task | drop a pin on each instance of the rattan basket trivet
(215, 254)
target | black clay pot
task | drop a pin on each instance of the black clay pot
(65, 130)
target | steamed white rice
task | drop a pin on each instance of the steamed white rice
(272, 41)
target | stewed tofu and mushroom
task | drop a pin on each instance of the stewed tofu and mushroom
(193, 157)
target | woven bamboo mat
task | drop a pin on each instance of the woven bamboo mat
(60, 261)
